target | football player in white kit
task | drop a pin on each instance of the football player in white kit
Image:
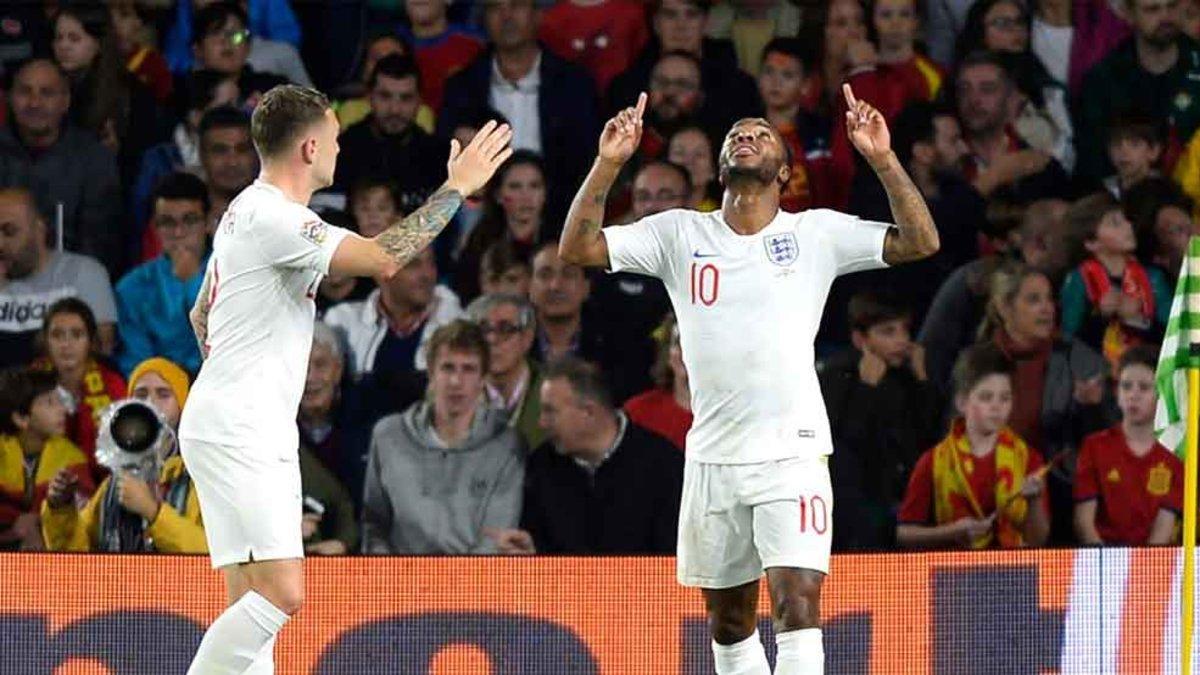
(254, 321)
(748, 283)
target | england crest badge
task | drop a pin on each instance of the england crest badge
(782, 249)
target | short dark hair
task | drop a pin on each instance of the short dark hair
(372, 182)
(1137, 125)
(210, 19)
(584, 378)
(502, 256)
(678, 169)
(19, 387)
(282, 114)
(223, 117)
(868, 309)
(915, 124)
(77, 307)
(686, 56)
(396, 67)
(983, 57)
(458, 335)
(1083, 218)
(181, 185)
(977, 362)
(201, 86)
(793, 47)
(1139, 355)
(1144, 201)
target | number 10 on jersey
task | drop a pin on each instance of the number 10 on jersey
(705, 283)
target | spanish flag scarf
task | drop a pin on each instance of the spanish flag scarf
(1135, 283)
(954, 498)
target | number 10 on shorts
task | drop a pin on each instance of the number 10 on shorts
(814, 515)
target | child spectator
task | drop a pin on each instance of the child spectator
(893, 26)
(1128, 487)
(440, 48)
(1162, 217)
(32, 452)
(974, 489)
(1135, 144)
(866, 389)
(505, 270)
(1110, 301)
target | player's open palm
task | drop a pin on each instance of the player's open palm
(867, 129)
(623, 133)
(470, 168)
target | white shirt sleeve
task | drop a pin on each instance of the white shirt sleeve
(857, 243)
(642, 246)
(298, 239)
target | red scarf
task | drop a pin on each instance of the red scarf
(1135, 283)
(1029, 383)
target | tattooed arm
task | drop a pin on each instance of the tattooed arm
(581, 242)
(468, 168)
(199, 314)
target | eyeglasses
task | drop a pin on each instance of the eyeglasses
(502, 330)
(236, 37)
(660, 83)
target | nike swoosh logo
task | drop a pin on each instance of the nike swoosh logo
(698, 254)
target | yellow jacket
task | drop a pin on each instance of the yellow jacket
(68, 529)
(1187, 172)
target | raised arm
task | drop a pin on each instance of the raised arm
(468, 169)
(581, 242)
(915, 236)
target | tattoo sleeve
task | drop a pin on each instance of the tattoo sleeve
(916, 235)
(405, 238)
(581, 232)
(199, 313)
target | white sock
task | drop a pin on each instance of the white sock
(741, 658)
(264, 663)
(234, 641)
(801, 652)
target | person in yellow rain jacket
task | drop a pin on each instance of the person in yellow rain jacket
(170, 513)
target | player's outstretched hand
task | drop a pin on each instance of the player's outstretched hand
(470, 168)
(623, 133)
(867, 129)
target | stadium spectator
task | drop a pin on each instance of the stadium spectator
(331, 430)
(63, 165)
(1042, 239)
(328, 524)
(837, 32)
(677, 99)
(603, 36)
(678, 26)
(980, 487)
(514, 210)
(168, 513)
(131, 24)
(1001, 165)
(227, 157)
(894, 26)
(32, 452)
(207, 89)
(70, 348)
(665, 409)
(750, 26)
(29, 36)
(446, 469)
(600, 484)
(440, 48)
(1135, 145)
(690, 147)
(785, 81)
(388, 143)
(374, 206)
(550, 103)
(388, 333)
(1156, 70)
(105, 99)
(36, 277)
(352, 105)
(271, 19)
(221, 42)
(514, 380)
(1163, 220)
(153, 299)
(1128, 486)
(868, 390)
(1110, 301)
(505, 270)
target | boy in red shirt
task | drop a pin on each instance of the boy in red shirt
(981, 486)
(1128, 487)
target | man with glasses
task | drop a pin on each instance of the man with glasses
(153, 299)
(1157, 70)
(676, 100)
(221, 42)
(514, 379)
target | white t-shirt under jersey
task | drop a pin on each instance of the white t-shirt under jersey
(269, 254)
(748, 309)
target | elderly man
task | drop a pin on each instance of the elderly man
(449, 468)
(514, 379)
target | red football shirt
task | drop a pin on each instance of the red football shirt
(603, 38)
(657, 411)
(441, 57)
(1131, 490)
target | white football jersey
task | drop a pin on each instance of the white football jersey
(748, 309)
(269, 254)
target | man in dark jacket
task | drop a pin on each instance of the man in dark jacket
(550, 103)
(601, 484)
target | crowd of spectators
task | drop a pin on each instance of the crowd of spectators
(492, 398)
